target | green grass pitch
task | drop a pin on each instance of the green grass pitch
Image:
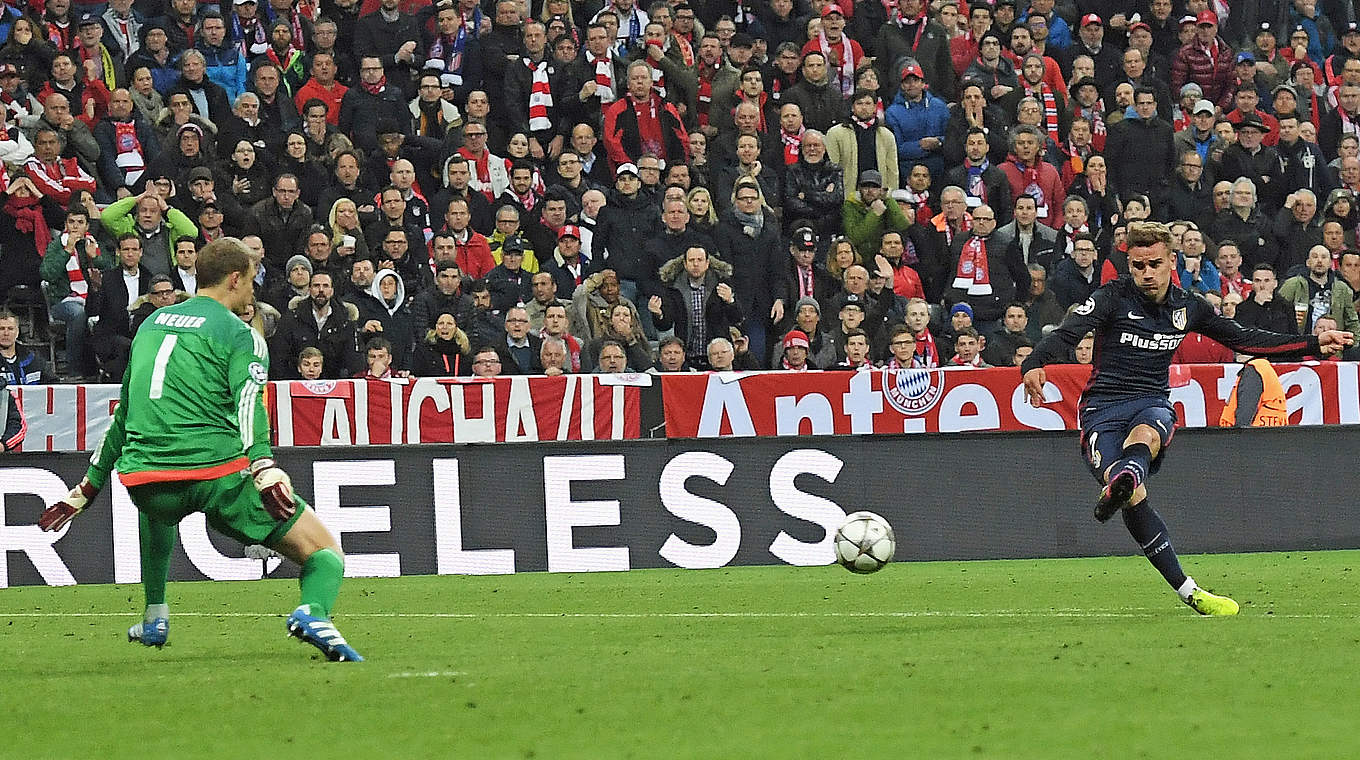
(1089, 658)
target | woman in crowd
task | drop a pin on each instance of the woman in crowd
(445, 351)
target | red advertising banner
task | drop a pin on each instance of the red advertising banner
(957, 400)
(358, 412)
(456, 410)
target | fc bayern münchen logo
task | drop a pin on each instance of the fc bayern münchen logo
(913, 391)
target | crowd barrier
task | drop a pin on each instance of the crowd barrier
(689, 405)
(619, 505)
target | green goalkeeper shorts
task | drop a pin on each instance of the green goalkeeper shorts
(231, 504)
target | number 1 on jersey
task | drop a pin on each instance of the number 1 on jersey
(162, 359)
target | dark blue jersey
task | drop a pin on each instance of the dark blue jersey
(1135, 339)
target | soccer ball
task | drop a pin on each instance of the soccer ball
(865, 543)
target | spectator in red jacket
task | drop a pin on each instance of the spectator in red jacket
(474, 252)
(1030, 175)
(1206, 60)
(643, 123)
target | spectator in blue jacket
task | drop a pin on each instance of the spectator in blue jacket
(227, 66)
(917, 120)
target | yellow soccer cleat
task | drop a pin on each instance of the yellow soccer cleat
(1205, 603)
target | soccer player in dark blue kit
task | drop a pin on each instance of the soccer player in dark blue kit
(1125, 417)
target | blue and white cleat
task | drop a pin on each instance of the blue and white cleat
(320, 632)
(151, 634)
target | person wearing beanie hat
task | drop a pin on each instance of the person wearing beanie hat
(297, 274)
(994, 71)
(796, 345)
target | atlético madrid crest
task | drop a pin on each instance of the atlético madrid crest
(913, 391)
(1178, 318)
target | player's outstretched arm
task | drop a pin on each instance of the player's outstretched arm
(56, 516)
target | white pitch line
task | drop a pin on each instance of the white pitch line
(1055, 613)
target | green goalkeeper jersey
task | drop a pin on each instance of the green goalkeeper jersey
(191, 406)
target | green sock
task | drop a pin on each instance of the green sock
(320, 581)
(158, 540)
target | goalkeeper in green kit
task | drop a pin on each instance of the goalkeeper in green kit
(191, 434)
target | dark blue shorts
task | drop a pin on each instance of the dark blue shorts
(1105, 425)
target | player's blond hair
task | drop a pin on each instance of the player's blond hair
(220, 258)
(1144, 234)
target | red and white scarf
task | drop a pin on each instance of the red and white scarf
(792, 145)
(974, 363)
(540, 96)
(927, 353)
(1045, 96)
(916, 363)
(1030, 178)
(845, 67)
(658, 76)
(604, 76)
(686, 49)
(760, 101)
(705, 93)
(377, 87)
(75, 275)
(972, 274)
(1069, 235)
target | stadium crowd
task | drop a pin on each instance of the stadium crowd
(545, 186)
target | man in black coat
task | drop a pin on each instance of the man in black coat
(1259, 163)
(698, 302)
(110, 294)
(913, 35)
(816, 95)
(748, 239)
(1139, 151)
(194, 82)
(361, 110)
(334, 337)
(281, 222)
(395, 38)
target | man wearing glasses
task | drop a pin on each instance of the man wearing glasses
(489, 175)
(282, 222)
(1187, 194)
(375, 100)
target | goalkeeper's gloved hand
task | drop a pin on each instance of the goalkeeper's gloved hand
(275, 487)
(56, 516)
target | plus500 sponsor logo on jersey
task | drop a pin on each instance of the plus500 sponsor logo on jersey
(1158, 341)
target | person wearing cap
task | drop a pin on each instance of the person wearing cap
(642, 122)
(1320, 29)
(568, 267)
(625, 224)
(1199, 136)
(1091, 42)
(863, 128)
(1206, 59)
(913, 35)
(89, 39)
(870, 211)
(918, 120)
(1249, 157)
